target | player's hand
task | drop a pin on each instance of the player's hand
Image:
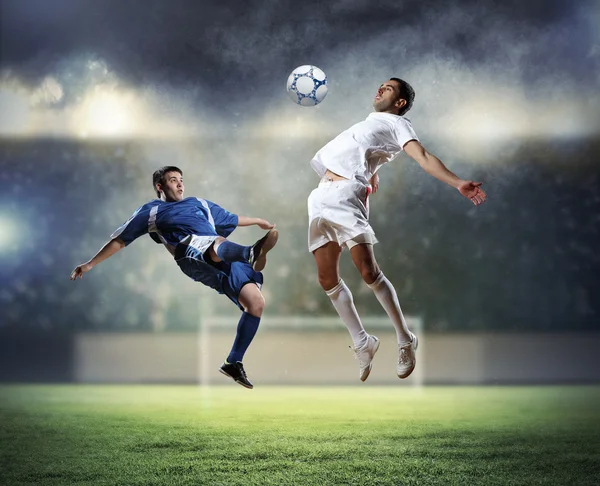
(374, 183)
(264, 224)
(472, 191)
(80, 270)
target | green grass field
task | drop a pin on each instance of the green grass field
(227, 435)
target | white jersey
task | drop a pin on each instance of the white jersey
(358, 152)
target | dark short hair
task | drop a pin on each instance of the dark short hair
(406, 93)
(159, 175)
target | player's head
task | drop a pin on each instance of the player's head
(168, 183)
(395, 96)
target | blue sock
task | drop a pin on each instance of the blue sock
(232, 252)
(246, 331)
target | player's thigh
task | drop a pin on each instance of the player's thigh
(327, 258)
(364, 260)
(251, 298)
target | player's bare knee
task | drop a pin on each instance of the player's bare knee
(328, 281)
(212, 250)
(252, 300)
(256, 306)
(217, 242)
(369, 273)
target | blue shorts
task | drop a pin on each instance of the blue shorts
(225, 278)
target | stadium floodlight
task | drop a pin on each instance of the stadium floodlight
(107, 113)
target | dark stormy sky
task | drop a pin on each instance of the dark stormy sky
(476, 64)
(508, 92)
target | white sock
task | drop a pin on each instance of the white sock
(387, 297)
(341, 298)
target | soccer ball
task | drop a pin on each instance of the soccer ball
(307, 85)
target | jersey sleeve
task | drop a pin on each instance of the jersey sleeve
(134, 227)
(225, 222)
(404, 132)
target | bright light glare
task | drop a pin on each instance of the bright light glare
(9, 235)
(289, 125)
(107, 114)
(486, 120)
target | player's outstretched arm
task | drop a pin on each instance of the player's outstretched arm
(262, 223)
(434, 166)
(108, 250)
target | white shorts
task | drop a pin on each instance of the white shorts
(339, 211)
(199, 242)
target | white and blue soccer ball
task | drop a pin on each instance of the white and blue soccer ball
(307, 85)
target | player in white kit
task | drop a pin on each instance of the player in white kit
(338, 211)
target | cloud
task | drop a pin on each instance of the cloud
(84, 98)
(481, 77)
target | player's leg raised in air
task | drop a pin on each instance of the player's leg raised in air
(256, 255)
(253, 302)
(364, 260)
(327, 258)
(226, 268)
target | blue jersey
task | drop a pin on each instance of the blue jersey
(171, 222)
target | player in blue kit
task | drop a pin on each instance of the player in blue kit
(195, 232)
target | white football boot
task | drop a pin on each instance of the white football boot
(365, 356)
(406, 357)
